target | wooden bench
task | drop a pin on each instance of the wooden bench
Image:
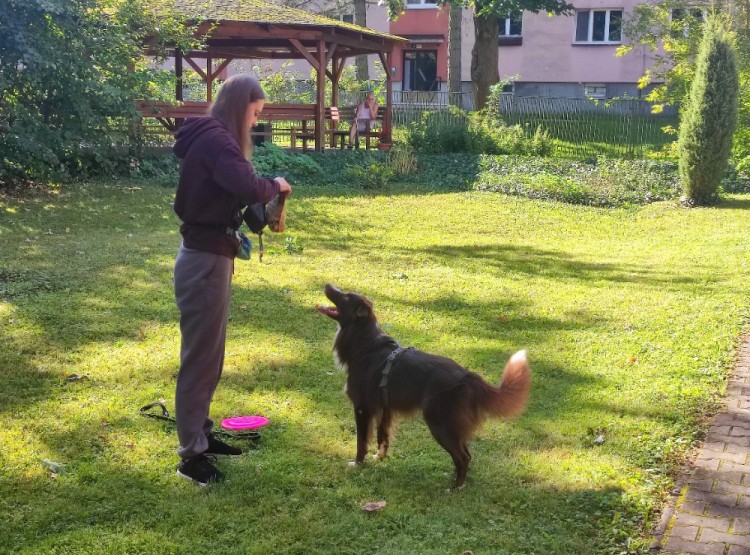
(347, 114)
(306, 133)
(301, 117)
(170, 115)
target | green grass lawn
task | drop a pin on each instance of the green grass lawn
(630, 318)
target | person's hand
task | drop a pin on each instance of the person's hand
(284, 187)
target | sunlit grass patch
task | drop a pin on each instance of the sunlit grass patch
(630, 317)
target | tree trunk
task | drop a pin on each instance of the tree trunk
(484, 58)
(454, 53)
(360, 18)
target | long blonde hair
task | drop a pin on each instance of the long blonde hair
(231, 103)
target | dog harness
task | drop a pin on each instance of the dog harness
(397, 352)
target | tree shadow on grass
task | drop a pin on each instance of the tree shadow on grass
(502, 318)
(24, 383)
(733, 203)
(556, 265)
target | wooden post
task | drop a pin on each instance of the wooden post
(209, 79)
(388, 120)
(178, 74)
(320, 122)
(337, 66)
(335, 83)
(178, 82)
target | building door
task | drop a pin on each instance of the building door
(420, 70)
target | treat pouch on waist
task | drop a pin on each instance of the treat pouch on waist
(245, 247)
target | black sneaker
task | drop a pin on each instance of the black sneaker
(218, 447)
(200, 470)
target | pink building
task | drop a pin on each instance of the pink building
(566, 56)
(569, 56)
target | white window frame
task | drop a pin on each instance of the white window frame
(597, 95)
(506, 23)
(590, 33)
(343, 15)
(421, 5)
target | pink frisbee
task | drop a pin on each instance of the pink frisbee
(236, 423)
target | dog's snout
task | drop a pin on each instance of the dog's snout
(332, 292)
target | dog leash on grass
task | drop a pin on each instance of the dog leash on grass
(260, 246)
(250, 435)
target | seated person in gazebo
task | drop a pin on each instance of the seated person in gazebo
(364, 118)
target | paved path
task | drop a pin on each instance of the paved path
(712, 512)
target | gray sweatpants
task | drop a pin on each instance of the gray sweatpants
(202, 284)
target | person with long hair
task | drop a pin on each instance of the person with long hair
(216, 183)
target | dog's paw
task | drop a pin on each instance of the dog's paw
(352, 464)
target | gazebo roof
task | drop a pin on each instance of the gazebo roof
(254, 29)
(259, 29)
(258, 11)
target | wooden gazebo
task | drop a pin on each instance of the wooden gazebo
(254, 29)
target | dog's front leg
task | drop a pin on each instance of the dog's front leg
(362, 418)
(384, 434)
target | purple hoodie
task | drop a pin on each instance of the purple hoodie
(216, 183)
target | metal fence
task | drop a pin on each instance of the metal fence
(582, 127)
(408, 106)
(578, 127)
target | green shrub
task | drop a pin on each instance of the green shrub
(606, 182)
(736, 178)
(541, 144)
(448, 172)
(453, 131)
(372, 176)
(335, 165)
(441, 132)
(154, 165)
(710, 117)
(67, 100)
(271, 160)
(402, 159)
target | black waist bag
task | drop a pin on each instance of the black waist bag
(255, 217)
(273, 215)
(258, 216)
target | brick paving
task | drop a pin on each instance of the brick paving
(712, 513)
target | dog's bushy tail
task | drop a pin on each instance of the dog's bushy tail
(510, 398)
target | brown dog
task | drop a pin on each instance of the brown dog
(383, 379)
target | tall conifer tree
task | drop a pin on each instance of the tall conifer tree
(709, 119)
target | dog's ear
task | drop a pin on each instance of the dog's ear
(364, 309)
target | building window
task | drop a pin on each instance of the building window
(510, 26)
(599, 26)
(680, 14)
(416, 4)
(420, 71)
(595, 91)
(347, 18)
(683, 18)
